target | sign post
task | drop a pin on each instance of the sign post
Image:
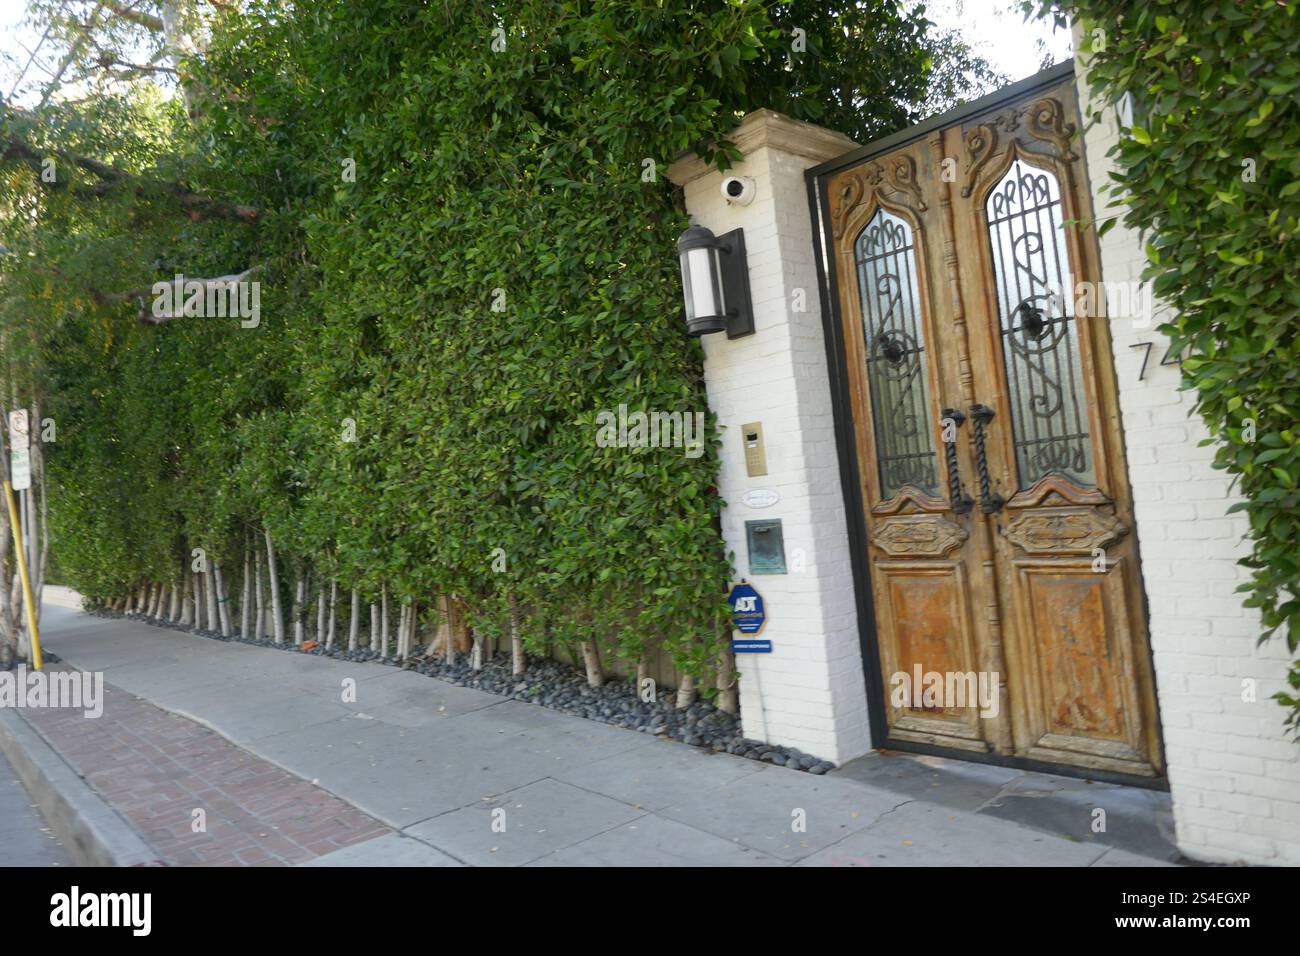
(20, 467)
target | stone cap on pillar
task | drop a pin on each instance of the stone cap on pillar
(769, 128)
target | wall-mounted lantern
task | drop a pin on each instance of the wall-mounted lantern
(715, 282)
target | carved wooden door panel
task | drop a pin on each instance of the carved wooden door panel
(998, 510)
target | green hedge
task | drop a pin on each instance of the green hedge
(1210, 172)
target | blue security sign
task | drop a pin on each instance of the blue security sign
(748, 617)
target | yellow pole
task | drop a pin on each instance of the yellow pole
(27, 581)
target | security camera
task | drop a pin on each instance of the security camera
(739, 190)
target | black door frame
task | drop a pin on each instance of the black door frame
(842, 418)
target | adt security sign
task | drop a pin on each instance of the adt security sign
(748, 617)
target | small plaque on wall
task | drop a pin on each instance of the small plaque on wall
(766, 546)
(760, 498)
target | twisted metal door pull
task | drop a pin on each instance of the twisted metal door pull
(961, 502)
(981, 415)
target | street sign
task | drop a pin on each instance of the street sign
(20, 454)
(748, 615)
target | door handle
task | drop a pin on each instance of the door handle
(981, 415)
(961, 502)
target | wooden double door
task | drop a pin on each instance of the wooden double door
(998, 516)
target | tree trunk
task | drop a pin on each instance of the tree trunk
(412, 628)
(186, 609)
(374, 627)
(41, 531)
(223, 599)
(591, 660)
(685, 691)
(728, 689)
(259, 627)
(320, 613)
(642, 674)
(476, 655)
(8, 631)
(299, 595)
(383, 632)
(518, 661)
(334, 600)
(273, 579)
(246, 597)
(200, 601)
(210, 589)
(354, 621)
(453, 629)
(33, 550)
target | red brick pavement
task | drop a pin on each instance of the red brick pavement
(155, 768)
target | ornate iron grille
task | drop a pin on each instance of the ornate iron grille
(897, 371)
(1039, 331)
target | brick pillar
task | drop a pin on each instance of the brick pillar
(809, 692)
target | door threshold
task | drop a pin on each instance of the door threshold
(992, 758)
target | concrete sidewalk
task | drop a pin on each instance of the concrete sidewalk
(456, 776)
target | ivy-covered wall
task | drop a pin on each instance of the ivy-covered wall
(464, 244)
(1209, 173)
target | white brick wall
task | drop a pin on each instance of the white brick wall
(809, 692)
(1234, 776)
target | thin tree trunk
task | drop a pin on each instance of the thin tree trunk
(273, 579)
(9, 637)
(642, 674)
(685, 691)
(591, 660)
(354, 621)
(320, 613)
(518, 661)
(728, 690)
(374, 627)
(453, 629)
(33, 549)
(223, 599)
(259, 628)
(210, 591)
(200, 601)
(383, 632)
(246, 597)
(334, 599)
(476, 655)
(404, 630)
(186, 612)
(299, 594)
(41, 528)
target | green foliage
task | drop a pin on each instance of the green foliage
(1211, 174)
(509, 176)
